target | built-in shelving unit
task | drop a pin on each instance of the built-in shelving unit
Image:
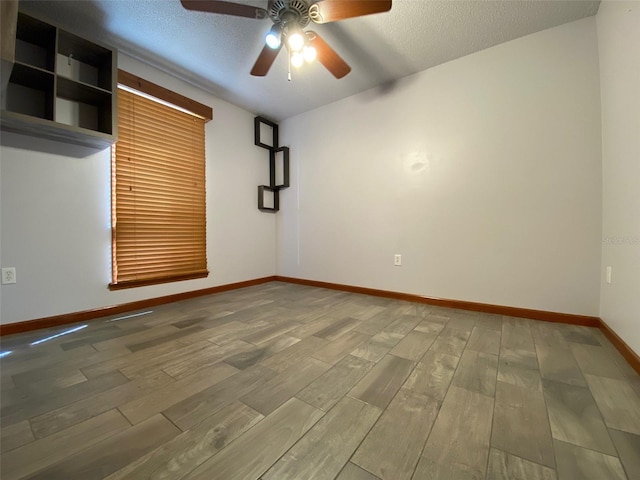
(61, 86)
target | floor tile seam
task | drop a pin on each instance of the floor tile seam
(615, 446)
(539, 342)
(186, 344)
(331, 365)
(455, 371)
(546, 408)
(120, 357)
(602, 416)
(415, 364)
(138, 370)
(176, 379)
(364, 437)
(459, 357)
(219, 407)
(45, 386)
(426, 438)
(358, 466)
(151, 390)
(60, 363)
(631, 377)
(616, 356)
(323, 414)
(78, 400)
(131, 423)
(84, 448)
(294, 394)
(555, 469)
(441, 403)
(551, 437)
(493, 416)
(32, 435)
(584, 447)
(616, 367)
(624, 470)
(440, 334)
(219, 451)
(588, 449)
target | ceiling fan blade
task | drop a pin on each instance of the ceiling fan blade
(328, 57)
(325, 11)
(265, 60)
(225, 8)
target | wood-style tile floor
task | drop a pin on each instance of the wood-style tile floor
(282, 381)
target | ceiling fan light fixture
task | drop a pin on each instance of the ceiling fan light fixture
(309, 53)
(297, 59)
(295, 40)
(290, 18)
(273, 38)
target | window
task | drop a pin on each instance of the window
(157, 187)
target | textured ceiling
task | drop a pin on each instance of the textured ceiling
(217, 52)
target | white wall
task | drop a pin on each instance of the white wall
(55, 212)
(484, 173)
(619, 45)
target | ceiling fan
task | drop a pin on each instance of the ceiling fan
(289, 18)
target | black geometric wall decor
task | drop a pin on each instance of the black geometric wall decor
(268, 198)
(265, 135)
(279, 162)
(260, 128)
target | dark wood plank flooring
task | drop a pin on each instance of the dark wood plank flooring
(282, 381)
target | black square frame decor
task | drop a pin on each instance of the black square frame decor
(285, 167)
(274, 150)
(276, 198)
(256, 133)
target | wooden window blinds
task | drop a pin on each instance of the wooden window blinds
(158, 194)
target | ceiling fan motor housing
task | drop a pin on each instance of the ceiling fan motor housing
(287, 11)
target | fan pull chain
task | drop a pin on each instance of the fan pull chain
(289, 73)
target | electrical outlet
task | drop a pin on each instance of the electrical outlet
(397, 260)
(8, 275)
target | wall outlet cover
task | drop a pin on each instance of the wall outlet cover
(8, 275)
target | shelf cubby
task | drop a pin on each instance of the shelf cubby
(83, 105)
(30, 91)
(61, 86)
(35, 43)
(86, 62)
